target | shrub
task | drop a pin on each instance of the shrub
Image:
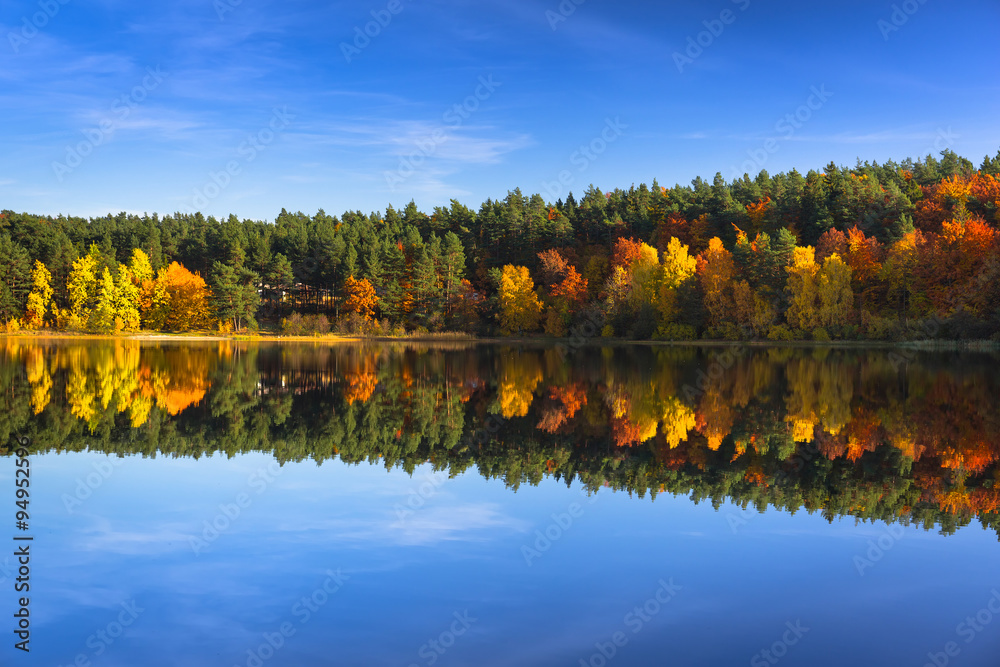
(292, 325)
(819, 334)
(676, 331)
(780, 332)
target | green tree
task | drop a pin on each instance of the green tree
(15, 278)
(235, 295)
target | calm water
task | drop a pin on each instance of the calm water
(234, 504)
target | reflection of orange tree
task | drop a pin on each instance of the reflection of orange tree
(876, 443)
(563, 404)
(361, 378)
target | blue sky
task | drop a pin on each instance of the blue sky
(249, 106)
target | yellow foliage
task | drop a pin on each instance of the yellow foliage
(520, 307)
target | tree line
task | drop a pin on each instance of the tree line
(877, 251)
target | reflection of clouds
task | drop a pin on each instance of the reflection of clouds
(133, 541)
(465, 523)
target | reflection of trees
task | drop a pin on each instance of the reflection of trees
(837, 432)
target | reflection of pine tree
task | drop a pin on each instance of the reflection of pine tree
(840, 433)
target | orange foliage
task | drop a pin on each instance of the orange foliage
(360, 386)
(757, 212)
(361, 297)
(625, 253)
(189, 299)
(573, 288)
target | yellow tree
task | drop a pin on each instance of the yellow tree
(802, 289)
(155, 314)
(646, 275)
(127, 300)
(520, 308)
(361, 297)
(81, 286)
(834, 288)
(141, 271)
(39, 298)
(678, 267)
(102, 319)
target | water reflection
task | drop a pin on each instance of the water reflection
(872, 434)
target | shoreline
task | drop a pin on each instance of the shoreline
(596, 341)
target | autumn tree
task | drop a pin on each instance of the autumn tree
(127, 300)
(141, 272)
(40, 297)
(716, 274)
(520, 308)
(360, 297)
(82, 289)
(803, 299)
(833, 286)
(181, 300)
(677, 269)
(102, 318)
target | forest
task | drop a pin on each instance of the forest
(866, 434)
(894, 251)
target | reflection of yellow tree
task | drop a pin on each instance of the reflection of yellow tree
(39, 378)
(125, 378)
(819, 394)
(639, 409)
(520, 375)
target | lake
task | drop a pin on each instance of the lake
(240, 504)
